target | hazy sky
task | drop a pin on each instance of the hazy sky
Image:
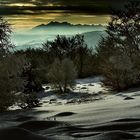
(29, 13)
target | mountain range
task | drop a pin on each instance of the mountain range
(34, 37)
(67, 24)
(55, 27)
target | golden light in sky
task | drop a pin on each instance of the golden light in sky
(29, 21)
(21, 4)
(25, 14)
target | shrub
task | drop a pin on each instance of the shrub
(118, 54)
(10, 68)
(62, 75)
(10, 80)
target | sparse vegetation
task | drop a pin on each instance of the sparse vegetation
(62, 75)
(118, 54)
(73, 48)
(10, 69)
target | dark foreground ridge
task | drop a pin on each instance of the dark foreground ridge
(120, 129)
(15, 133)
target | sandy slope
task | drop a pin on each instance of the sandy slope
(110, 118)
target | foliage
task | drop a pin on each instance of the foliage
(73, 48)
(62, 74)
(32, 83)
(5, 42)
(38, 63)
(28, 100)
(11, 68)
(10, 80)
(118, 54)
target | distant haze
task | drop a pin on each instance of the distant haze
(36, 36)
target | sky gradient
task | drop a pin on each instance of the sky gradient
(25, 14)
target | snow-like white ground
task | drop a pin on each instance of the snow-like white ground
(87, 89)
(100, 115)
(91, 85)
(109, 107)
(112, 107)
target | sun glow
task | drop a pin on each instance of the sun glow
(21, 4)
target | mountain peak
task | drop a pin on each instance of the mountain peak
(52, 24)
(66, 27)
(55, 23)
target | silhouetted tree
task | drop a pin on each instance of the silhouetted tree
(62, 74)
(11, 68)
(119, 53)
(5, 42)
(73, 48)
(11, 81)
(38, 59)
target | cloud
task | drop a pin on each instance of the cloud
(18, 12)
(11, 7)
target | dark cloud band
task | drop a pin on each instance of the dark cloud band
(64, 6)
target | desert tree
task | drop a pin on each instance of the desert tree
(62, 74)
